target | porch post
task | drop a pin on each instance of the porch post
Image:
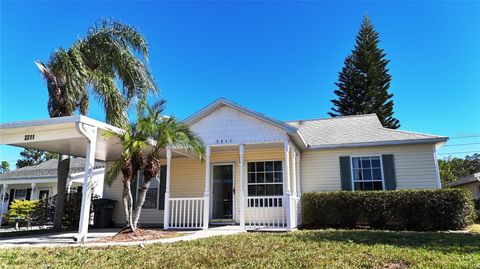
(33, 194)
(166, 208)
(2, 202)
(294, 173)
(206, 195)
(242, 188)
(91, 134)
(299, 180)
(286, 185)
(299, 190)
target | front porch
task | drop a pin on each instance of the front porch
(255, 186)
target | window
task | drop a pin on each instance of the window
(265, 178)
(20, 194)
(151, 200)
(367, 173)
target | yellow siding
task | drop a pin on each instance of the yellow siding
(414, 166)
(188, 180)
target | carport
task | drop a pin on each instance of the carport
(75, 136)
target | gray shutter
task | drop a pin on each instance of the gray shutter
(389, 172)
(345, 175)
(162, 188)
(29, 194)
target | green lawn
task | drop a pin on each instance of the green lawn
(301, 249)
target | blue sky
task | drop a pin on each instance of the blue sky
(279, 58)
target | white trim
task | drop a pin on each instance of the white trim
(365, 156)
(266, 183)
(437, 170)
(234, 192)
(241, 151)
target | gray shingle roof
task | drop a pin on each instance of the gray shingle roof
(48, 169)
(465, 180)
(354, 131)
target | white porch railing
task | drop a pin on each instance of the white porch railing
(186, 213)
(265, 212)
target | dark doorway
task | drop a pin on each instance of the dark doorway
(222, 192)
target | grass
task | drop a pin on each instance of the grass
(301, 249)
(475, 228)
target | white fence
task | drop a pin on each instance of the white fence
(186, 213)
(265, 212)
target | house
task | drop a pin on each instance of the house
(256, 167)
(471, 183)
(40, 181)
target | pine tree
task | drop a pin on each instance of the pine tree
(364, 81)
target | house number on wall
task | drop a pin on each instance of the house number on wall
(224, 141)
(29, 137)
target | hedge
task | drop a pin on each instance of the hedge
(421, 210)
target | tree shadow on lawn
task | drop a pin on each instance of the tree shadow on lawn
(437, 241)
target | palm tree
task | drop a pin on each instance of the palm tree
(110, 52)
(133, 144)
(166, 132)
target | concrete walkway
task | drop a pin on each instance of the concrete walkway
(66, 239)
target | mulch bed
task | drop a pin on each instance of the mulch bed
(126, 235)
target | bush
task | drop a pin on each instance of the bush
(22, 211)
(423, 210)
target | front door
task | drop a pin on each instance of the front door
(222, 192)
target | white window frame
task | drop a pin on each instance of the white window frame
(364, 156)
(15, 194)
(265, 183)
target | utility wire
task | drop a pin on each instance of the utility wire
(466, 144)
(459, 152)
(463, 137)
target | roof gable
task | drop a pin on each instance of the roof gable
(224, 102)
(226, 125)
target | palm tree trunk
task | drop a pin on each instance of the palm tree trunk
(126, 204)
(140, 201)
(63, 169)
(130, 208)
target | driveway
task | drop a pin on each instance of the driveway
(64, 239)
(60, 238)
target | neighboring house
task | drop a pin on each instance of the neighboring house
(471, 183)
(255, 169)
(40, 181)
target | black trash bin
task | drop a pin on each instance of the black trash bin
(103, 209)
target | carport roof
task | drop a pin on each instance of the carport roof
(62, 135)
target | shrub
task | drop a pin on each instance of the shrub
(448, 209)
(22, 211)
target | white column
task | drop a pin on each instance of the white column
(286, 185)
(166, 209)
(437, 170)
(2, 202)
(91, 133)
(299, 190)
(34, 194)
(206, 195)
(299, 179)
(294, 173)
(242, 188)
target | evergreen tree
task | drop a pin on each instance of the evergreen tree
(364, 81)
(31, 157)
